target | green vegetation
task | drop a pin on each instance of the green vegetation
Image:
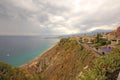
(5, 70)
(84, 55)
(68, 44)
(68, 59)
(74, 58)
(116, 50)
(101, 41)
(9, 73)
(104, 68)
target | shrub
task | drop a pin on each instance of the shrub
(9, 73)
(105, 68)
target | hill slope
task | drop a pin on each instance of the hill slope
(64, 62)
(68, 60)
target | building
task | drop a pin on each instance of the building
(113, 36)
(110, 35)
(87, 39)
(117, 33)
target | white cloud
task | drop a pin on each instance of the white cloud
(104, 27)
(58, 16)
(59, 29)
(25, 4)
(56, 19)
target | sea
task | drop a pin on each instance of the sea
(19, 50)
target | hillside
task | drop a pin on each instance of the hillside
(104, 68)
(64, 62)
(9, 73)
(68, 60)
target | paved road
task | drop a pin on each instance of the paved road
(98, 53)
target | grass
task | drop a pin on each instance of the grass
(104, 68)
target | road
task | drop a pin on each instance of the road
(98, 53)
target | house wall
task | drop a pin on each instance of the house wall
(118, 41)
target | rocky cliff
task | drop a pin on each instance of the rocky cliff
(117, 32)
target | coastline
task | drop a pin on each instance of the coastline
(37, 58)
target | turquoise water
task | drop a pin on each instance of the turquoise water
(18, 51)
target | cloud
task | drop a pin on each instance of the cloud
(36, 17)
(25, 4)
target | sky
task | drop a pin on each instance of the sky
(57, 17)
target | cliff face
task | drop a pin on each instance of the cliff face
(65, 61)
(118, 31)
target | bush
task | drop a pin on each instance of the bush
(105, 68)
(102, 42)
(108, 42)
(9, 73)
(116, 50)
(5, 71)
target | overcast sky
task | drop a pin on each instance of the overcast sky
(56, 17)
